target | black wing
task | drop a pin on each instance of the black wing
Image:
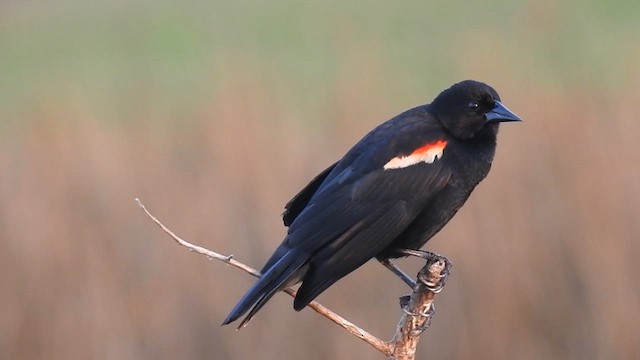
(351, 231)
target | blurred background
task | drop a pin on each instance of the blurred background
(216, 113)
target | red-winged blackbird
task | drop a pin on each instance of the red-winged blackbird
(392, 191)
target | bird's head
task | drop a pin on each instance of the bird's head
(469, 106)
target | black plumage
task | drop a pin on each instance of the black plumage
(394, 189)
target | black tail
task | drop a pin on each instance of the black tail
(283, 273)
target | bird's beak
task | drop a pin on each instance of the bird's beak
(500, 113)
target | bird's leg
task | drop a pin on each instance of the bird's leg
(396, 270)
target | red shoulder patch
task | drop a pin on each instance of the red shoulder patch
(427, 153)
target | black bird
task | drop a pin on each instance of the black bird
(392, 191)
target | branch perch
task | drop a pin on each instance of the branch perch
(417, 307)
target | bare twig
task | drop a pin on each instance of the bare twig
(380, 345)
(418, 308)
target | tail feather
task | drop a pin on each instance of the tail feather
(261, 302)
(283, 273)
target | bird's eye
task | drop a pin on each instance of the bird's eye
(473, 106)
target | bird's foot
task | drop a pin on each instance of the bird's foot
(432, 278)
(428, 315)
(431, 257)
(436, 285)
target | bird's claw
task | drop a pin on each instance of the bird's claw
(427, 322)
(438, 285)
(428, 315)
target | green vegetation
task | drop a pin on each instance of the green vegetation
(178, 54)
